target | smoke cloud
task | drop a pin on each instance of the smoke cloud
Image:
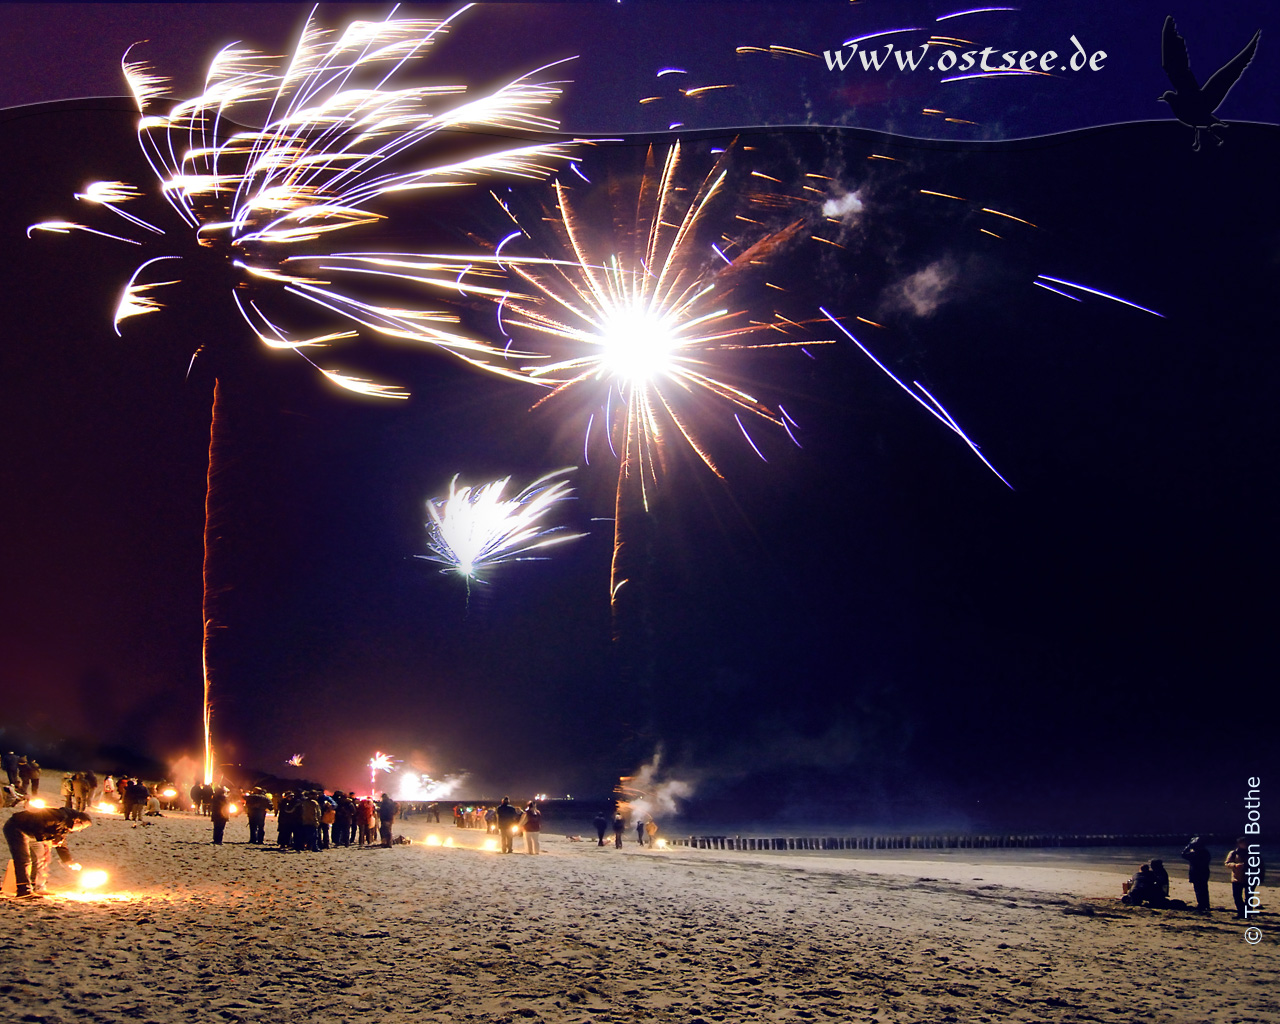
(845, 207)
(926, 290)
(657, 794)
(415, 786)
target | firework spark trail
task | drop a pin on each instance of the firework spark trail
(1091, 291)
(928, 402)
(380, 762)
(474, 529)
(641, 325)
(338, 135)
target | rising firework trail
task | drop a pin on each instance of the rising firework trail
(643, 324)
(380, 762)
(474, 529)
(337, 135)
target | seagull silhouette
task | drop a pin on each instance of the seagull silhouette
(1191, 104)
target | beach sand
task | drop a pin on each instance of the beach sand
(187, 931)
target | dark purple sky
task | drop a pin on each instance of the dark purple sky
(873, 615)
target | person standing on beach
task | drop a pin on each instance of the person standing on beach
(256, 805)
(531, 822)
(31, 834)
(507, 820)
(1196, 854)
(601, 823)
(619, 826)
(29, 773)
(287, 819)
(9, 761)
(218, 812)
(387, 809)
(1236, 862)
(344, 813)
(307, 834)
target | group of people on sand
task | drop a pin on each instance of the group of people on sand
(646, 828)
(307, 821)
(22, 777)
(504, 820)
(1149, 885)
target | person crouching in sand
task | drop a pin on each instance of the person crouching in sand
(30, 834)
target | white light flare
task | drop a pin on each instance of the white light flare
(473, 529)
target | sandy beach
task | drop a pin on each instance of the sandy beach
(184, 930)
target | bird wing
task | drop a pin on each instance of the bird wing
(1174, 60)
(1215, 90)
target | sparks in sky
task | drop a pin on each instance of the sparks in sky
(643, 323)
(380, 762)
(295, 761)
(473, 529)
(336, 140)
(336, 136)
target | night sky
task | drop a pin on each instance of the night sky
(872, 620)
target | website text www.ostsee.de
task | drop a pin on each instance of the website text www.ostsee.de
(988, 60)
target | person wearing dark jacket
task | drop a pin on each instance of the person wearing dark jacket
(256, 805)
(1161, 878)
(1196, 854)
(387, 809)
(344, 816)
(508, 820)
(9, 762)
(288, 818)
(30, 834)
(29, 773)
(218, 812)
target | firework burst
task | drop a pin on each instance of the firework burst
(338, 136)
(336, 140)
(645, 323)
(474, 529)
(380, 762)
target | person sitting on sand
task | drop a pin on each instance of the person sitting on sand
(30, 834)
(1161, 877)
(1143, 888)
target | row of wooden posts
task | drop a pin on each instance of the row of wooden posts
(957, 842)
